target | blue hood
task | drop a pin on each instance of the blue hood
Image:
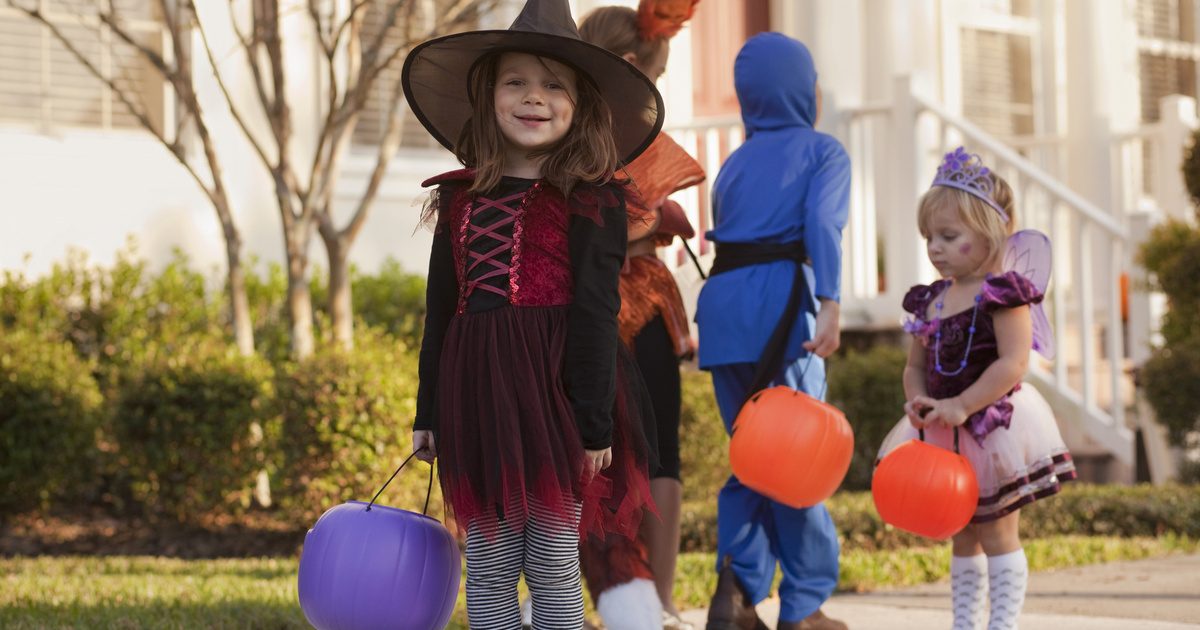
(776, 83)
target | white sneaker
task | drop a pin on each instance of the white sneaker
(673, 622)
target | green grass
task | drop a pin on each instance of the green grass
(872, 570)
(138, 592)
(141, 592)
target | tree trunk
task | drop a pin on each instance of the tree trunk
(239, 304)
(341, 308)
(299, 303)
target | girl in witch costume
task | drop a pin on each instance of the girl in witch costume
(974, 329)
(632, 581)
(523, 399)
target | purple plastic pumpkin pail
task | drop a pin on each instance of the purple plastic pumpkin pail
(371, 566)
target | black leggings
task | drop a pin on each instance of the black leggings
(659, 366)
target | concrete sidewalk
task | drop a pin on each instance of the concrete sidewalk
(1156, 594)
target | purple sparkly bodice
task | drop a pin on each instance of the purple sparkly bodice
(1007, 290)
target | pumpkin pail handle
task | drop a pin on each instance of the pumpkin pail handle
(428, 490)
(921, 432)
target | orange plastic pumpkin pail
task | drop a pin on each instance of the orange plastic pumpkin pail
(791, 447)
(926, 490)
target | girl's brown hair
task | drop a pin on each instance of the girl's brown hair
(616, 30)
(975, 213)
(586, 154)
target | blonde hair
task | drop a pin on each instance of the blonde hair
(615, 29)
(975, 213)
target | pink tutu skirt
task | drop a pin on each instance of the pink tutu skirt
(1015, 466)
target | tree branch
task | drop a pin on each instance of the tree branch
(346, 22)
(451, 19)
(387, 147)
(252, 59)
(315, 14)
(237, 116)
(334, 95)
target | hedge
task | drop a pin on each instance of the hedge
(49, 412)
(346, 425)
(1080, 509)
(184, 420)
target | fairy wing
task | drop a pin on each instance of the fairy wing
(1028, 253)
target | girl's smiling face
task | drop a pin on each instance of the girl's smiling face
(955, 250)
(535, 105)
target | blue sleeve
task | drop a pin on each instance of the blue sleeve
(826, 208)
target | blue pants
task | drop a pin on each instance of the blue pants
(756, 532)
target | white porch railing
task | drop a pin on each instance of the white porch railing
(1146, 162)
(895, 149)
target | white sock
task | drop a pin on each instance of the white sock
(633, 605)
(968, 590)
(1007, 577)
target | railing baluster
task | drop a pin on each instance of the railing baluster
(1085, 287)
(1116, 352)
(1059, 295)
(870, 257)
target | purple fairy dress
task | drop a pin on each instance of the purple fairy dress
(1013, 444)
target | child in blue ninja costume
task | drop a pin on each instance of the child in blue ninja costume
(769, 315)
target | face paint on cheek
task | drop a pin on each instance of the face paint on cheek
(965, 250)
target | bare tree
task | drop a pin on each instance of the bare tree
(176, 72)
(409, 23)
(352, 65)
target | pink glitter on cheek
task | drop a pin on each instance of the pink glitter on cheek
(965, 249)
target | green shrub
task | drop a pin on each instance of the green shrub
(49, 411)
(703, 445)
(391, 299)
(185, 419)
(1191, 169)
(703, 451)
(346, 425)
(113, 316)
(1172, 255)
(1080, 509)
(868, 387)
(1169, 377)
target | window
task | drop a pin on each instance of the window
(1168, 51)
(43, 84)
(997, 62)
(998, 82)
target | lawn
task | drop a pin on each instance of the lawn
(144, 592)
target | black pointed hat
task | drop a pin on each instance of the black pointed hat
(436, 75)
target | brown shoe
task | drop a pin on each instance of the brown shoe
(815, 621)
(731, 608)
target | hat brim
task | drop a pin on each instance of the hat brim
(435, 78)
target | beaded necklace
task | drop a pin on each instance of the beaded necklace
(937, 336)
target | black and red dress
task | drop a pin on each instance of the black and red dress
(519, 367)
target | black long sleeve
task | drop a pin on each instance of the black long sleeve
(441, 300)
(597, 253)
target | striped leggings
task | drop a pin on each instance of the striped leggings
(547, 551)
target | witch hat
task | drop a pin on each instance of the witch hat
(436, 75)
